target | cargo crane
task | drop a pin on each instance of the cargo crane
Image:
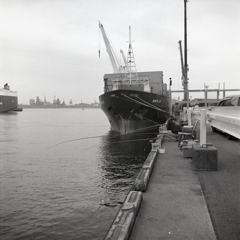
(131, 76)
(113, 58)
(182, 64)
(125, 60)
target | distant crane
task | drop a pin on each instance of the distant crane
(185, 62)
(112, 55)
(124, 59)
(131, 76)
(182, 64)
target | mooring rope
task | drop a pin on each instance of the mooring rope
(73, 140)
(84, 138)
(145, 103)
(133, 100)
(158, 124)
(153, 106)
(133, 131)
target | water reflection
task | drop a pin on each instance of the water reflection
(122, 157)
(72, 190)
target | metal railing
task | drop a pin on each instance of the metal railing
(225, 119)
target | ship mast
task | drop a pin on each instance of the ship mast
(131, 73)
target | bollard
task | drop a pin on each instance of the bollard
(203, 128)
(205, 157)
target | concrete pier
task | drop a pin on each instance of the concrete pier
(173, 206)
(181, 202)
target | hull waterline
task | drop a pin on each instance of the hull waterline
(131, 111)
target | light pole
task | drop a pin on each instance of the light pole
(170, 95)
(206, 92)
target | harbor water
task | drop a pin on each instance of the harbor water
(63, 173)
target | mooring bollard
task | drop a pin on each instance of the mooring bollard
(205, 157)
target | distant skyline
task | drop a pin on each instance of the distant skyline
(54, 98)
(51, 47)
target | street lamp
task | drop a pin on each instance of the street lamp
(206, 91)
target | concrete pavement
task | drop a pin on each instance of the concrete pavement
(173, 206)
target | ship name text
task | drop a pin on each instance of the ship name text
(133, 95)
(156, 100)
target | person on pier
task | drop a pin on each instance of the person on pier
(176, 109)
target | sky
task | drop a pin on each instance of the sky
(50, 48)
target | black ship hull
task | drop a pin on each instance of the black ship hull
(130, 111)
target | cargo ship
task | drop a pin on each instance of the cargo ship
(133, 101)
(8, 99)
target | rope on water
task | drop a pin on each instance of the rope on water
(73, 140)
(84, 138)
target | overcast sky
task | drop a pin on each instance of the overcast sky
(50, 47)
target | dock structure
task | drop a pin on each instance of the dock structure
(176, 197)
(173, 206)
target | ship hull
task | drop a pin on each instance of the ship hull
(8, 103)
(129, 111)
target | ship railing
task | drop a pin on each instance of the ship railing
(128, 80)
(142, 80)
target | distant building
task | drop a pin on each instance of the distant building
(95, 104)
(31, 101)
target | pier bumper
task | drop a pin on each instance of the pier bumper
(123, 223)
(144, 175)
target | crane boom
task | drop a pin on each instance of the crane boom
(182, 64)
(115, 64)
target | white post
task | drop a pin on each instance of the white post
(189, 111)
(203, 128)
(184, 114)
